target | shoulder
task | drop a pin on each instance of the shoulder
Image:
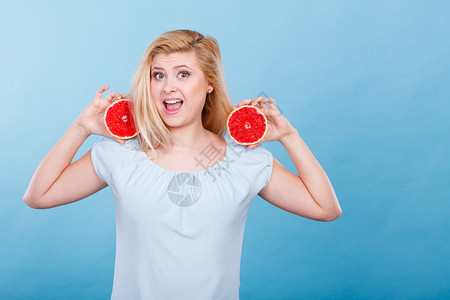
(254, 165)
(241, 153)
(110, 149)
(107, 154)
(108, 144)
(254, 162)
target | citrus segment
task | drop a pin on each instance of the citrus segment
(119, 120)
(247, 125)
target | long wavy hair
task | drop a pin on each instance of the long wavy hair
(153, 133)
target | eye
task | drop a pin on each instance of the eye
(158, 75)
(183, 74)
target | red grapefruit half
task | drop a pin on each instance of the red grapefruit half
(247, 125)
(119, 120)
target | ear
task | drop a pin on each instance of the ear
(209, 89)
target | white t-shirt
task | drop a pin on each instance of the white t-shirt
(179, 234)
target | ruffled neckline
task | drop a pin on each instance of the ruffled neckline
(223, 163)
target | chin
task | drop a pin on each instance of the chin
(174, 122)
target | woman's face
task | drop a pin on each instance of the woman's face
(178, 87)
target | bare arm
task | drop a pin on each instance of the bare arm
(58, 181)
(308, 194)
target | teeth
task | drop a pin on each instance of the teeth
(172, 101)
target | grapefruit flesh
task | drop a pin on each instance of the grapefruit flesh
(247, 125)
(119, 120)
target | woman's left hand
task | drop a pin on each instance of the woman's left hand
(278, 127)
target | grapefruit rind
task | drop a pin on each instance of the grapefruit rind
(110, 130)
(247, 143)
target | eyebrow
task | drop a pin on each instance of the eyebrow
(176, 67)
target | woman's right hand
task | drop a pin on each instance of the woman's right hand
(91, 119)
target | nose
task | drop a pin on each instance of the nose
(170, 85)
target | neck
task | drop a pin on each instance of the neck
(191, 136)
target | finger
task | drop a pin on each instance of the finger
(100, 92)
(270, 106)
(259, 103)
(265, 104)
(271, 102)
(116, 95)
(245, 102)
(250, 147)
(111, 96)
(265, 109)
(120, 141)
(257, 100)
(126, 96)
(109, 135)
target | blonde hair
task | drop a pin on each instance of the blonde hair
(153, 133)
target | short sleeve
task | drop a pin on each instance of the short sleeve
(263, 168)
(104, 156)
(255, 165)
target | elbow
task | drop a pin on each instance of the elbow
(32, 202)
(333, 215)
(29, 202)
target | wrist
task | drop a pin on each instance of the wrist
(289, 137)
(80, 129)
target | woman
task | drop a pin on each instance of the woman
(180, 215)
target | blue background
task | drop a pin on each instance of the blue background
(366, 83)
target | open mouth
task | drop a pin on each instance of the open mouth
(172, 106)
